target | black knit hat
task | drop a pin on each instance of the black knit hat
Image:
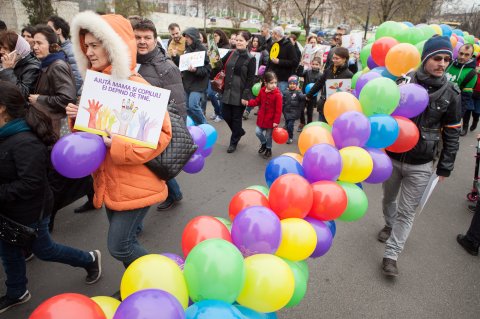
(436, 45)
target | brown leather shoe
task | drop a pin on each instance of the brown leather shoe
(389, 267)
(384, 234)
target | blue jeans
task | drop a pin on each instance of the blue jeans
(45, 249)
(194, 107)
(122, 234)
(282, 86)
(174, 190)
(290, 126)
(265, 136)
(215, 99)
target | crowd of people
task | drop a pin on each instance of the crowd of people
(41, 76)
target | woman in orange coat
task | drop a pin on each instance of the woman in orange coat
(123, 183)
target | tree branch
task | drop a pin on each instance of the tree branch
(315, 10)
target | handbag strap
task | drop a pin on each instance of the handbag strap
(228, 59)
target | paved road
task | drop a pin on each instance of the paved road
(438, 279)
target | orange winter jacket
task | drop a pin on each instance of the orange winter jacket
(122, 182)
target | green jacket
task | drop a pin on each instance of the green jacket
(457, 73)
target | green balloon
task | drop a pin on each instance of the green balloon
(420, 46)
(388, 29)
(469, 39)
(365, 53)
(318, 123)
(214, 269)
(379, 96)
(301, 281)
(355, 78)
(357, 202)
(260, 188)
(256, 88)
(304, 267)
(371, 40)
(226, 222)
(428, 32)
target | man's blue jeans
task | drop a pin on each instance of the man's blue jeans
(45, 249)
(174, 192)
(194, 107)
(122, 234)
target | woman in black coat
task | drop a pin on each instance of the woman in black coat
(25, 197)
(239, 78)
(337, 70)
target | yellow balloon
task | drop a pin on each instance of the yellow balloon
(157, 272)
(299, 239)
(108, 304)
(295, 156)
(314, 135)
(437, 29)
(365, 70)
(357, 164)
(269, 283)
(476, 48)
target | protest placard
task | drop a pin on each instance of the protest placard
(308, 55)
(192, 59)
(353, 42)
(213, 53)
(223, 52)
(337, 85)
(130, 109)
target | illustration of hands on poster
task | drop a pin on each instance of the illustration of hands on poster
(130, 109)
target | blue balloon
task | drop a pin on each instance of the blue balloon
(309, 87)
(213, 309)
(384, 72)
(446, 30)
(458, 32)
(271, 315)
(282, 165)
(332, 226)
(251, 314)
(211, 133)
(384, 131)
(190, 121)
(408, 24)
(359, 185)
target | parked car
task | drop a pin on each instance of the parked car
(293, 27)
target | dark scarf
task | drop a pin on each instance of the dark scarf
(145, 58)
(13, 127)
(52, 57)
(434, 85)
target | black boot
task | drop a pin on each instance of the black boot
(262, 148)
(268, 153)
(84, 208)
(473, 127)
(469, 246)
(464, 130)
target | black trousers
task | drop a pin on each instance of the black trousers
(473, 233)
(466, 118)
(232, 114)
(309, 106)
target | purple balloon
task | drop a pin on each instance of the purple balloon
(322, 162)
(354, 92)
(364, 79)
(324, 237)
(198, 135)
(195, 164)
(78, 154)
(456, 49)
(205, 152)
(351, 129)
(382, 166)
(413, 100)
(150, 304)
(370, 63)
(256, 230)
(176, 258)
(261, 70)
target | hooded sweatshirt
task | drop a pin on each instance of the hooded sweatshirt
(122, 182)
(457, 72)
(196, 81)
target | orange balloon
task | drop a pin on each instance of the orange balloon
(68, 305)
(408, 136)
(329, 201)
(453, 40)
(291, 196)
(246, 198)
(295, 156)
(402, 58)
(339, 103)
(202, 228)
(314, 135)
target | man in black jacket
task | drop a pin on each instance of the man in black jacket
(283, 58)
(412, 170)
(160, 71)
(195, 79)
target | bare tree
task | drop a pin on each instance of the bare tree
(307, 10)
(264, 7)
(470, 21)
(38, 11)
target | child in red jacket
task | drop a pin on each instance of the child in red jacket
(270, 101)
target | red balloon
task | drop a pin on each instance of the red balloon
(246, 198)
(291, 196)
(380, 49)
(280, 135)
(329, 201)
(407, 136)
(202, 228)
(71, 306)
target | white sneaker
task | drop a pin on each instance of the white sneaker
(213, 116)
(217, 119)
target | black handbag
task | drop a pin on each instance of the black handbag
(16, 234)
(181, 148)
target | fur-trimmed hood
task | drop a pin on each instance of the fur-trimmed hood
(116, 34)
